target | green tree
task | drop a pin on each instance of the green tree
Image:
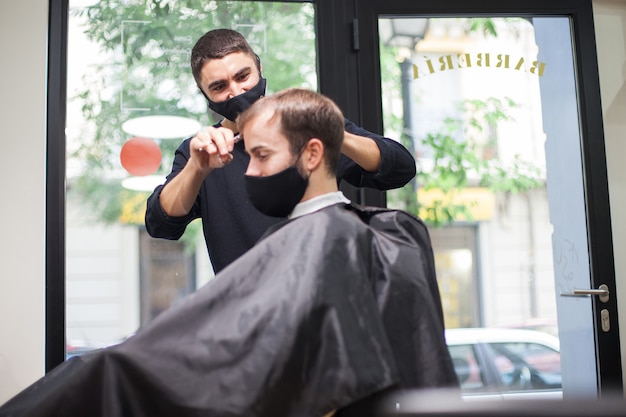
(145, 48)
(460, 152)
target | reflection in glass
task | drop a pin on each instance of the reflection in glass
(126, 62)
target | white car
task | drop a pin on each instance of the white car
(494, 363)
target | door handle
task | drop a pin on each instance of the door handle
(602, 292)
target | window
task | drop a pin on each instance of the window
(128, 62)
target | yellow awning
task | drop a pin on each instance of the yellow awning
(480, 201)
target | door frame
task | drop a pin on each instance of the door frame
(55, 185)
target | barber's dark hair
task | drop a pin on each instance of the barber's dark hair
(216, 44)
(303, 114)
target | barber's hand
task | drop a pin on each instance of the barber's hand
(211, 147)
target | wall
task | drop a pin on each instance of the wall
(23, 37)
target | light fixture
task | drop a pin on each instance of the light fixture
(161, 127)
(143, 183)
(140, 156)
(405, 32)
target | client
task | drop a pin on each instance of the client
(331, 307)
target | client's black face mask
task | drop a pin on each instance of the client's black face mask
(277, 195)
(231, 108)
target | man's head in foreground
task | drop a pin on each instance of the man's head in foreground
(294, 139)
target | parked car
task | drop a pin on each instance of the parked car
(506, 363)
(540, 324)
(76, 348)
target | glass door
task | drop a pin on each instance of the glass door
(501, 108)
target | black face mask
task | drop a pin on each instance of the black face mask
(277, 195)
(231, 108)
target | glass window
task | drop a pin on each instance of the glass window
(128, 63)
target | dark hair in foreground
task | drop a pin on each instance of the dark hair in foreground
(303, 114)
(216, 44)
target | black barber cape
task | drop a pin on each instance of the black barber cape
(328, 309)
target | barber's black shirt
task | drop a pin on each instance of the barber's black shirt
(232, 225)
